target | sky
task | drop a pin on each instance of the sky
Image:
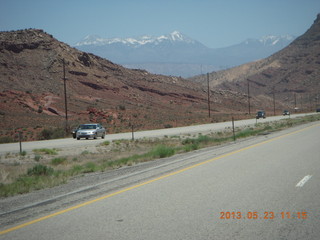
(215, 23)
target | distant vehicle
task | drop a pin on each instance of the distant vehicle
(318, 110)
(260, 114)
(92, 130)
(285, 112)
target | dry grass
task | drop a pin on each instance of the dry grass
(108, 155)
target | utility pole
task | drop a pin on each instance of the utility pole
(274, 103)
(20, 141)
(208, 95)
(295, 102)
(249, 97)
(65, 95)
(310, 102)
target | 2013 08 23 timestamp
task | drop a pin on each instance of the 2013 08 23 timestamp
(263, 215)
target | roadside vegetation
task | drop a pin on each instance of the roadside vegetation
(46, 168)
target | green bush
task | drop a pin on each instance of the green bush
(163, 151)
(90, 167)
(46, 151)
(57, 161)
(191, 147)
(40, 170)
(204, 139)
(6, 139)
(85, 152)
(245, 133)
(52, 133)
(201, 139)
(23, 153)
(37, 158)
(105, 143)
(76, 169)
(189, 141)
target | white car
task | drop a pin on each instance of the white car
(91, 130)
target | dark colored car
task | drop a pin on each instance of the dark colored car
(260, 114)
(285, 112)
(74, 132)
(91, 130)
(318, 110)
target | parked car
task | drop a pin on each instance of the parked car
(318, 110)
(260, 114)
(285, 112)
(91, 130)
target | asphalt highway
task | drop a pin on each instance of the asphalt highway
(70, 142)
(262, 188)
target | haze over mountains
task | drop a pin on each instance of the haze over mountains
(179, 55)
(98, 90)
(291, 74)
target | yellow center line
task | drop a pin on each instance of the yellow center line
(148, 182)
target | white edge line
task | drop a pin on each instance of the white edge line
(303, 181)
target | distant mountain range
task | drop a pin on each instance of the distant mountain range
(32, 87)
(179, 55)
(291, 75)
(31, 95)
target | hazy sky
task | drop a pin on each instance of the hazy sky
(215, 23)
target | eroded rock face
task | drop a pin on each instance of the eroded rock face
(33, 64)
(85, 59)
(17, 41)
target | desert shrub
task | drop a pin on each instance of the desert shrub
(76, 169)
(122, 107)
(85, 152)
(163, 151)
(37, 158)
(6, 139)
(105, 143)
(40, 170)
(23, 153)
(90, 167)
(247, 133)
(191, 147)
(57, 161)
(40, 109)
(52, 133)
(46, 151)
(189, 141)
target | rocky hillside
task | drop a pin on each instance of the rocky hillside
(32, 89)
(292, 73)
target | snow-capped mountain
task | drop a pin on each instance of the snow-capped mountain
(270, 41)
(178, 54)
(136, 42)
(172, 47)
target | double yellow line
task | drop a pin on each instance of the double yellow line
(148, 182)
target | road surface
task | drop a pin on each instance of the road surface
(261, 188)
(70, 142)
